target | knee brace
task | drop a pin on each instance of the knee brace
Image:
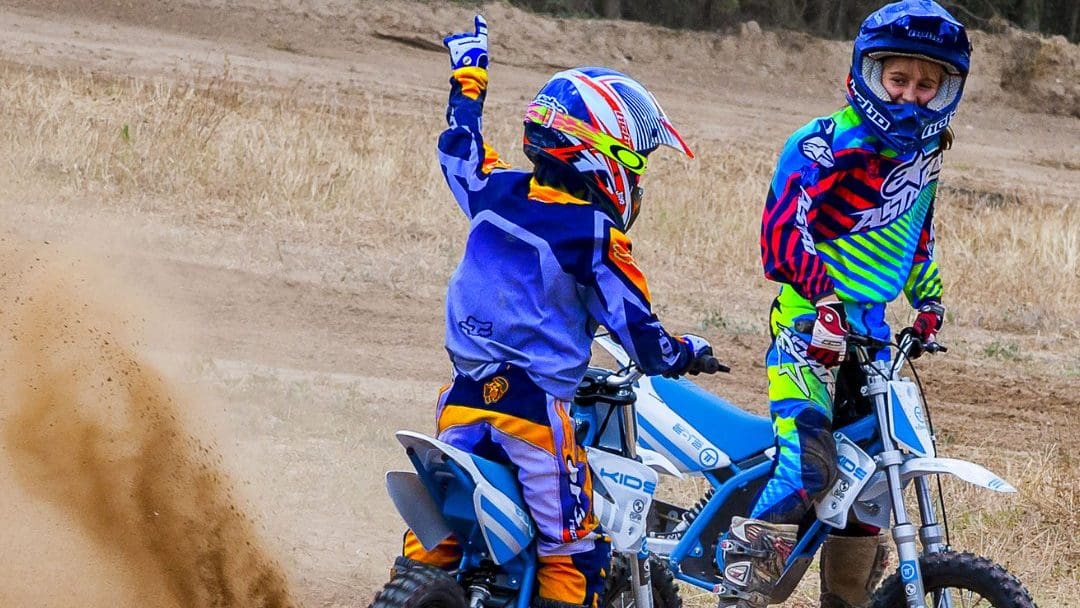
(818, 453)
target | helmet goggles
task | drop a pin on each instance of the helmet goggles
(634, 161)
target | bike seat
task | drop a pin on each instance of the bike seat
(737, 432)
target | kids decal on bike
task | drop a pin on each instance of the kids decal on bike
(542, 463)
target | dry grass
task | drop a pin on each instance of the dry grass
(211, 152)
(365, 181)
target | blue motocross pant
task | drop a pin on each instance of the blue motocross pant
(801, 407)
(505, 417)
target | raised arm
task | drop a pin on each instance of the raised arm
(465, 158)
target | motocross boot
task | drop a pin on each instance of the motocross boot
(851, 568)
(755, 552)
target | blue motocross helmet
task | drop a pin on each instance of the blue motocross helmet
(911, 28)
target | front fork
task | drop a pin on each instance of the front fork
(903, 532)
(640, 575)
(641, 579)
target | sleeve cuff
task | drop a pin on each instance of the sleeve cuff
(473, 81)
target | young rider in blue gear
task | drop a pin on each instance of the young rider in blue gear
(547, 259)
(847, 226)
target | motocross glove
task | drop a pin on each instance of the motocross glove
(469, 50)
(926, 325)
(828, 343)
(701, 358)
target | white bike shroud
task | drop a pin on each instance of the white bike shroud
(860, 487)
(622, 495)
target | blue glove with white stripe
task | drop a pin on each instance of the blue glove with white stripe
(469, 50)
(701, 357)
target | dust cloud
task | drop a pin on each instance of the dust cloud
(110, 498)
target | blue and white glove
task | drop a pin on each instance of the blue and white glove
(701, 357)
(469, 50)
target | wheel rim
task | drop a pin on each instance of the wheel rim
(957, 597)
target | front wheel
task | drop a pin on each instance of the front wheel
(618, 588)
(968, 580)
(420, 586)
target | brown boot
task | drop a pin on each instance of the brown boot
(851, 568)
(755, 552)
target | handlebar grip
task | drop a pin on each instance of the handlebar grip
(707, 364)
(935, 347)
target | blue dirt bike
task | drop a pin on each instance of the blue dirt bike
(479, 503)
(885, 445)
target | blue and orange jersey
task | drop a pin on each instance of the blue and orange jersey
(541, 269)
(847, 214)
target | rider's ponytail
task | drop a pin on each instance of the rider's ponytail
(947, 137)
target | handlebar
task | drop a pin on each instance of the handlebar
(631, 374)
(626, 378)
(908, 346)
(867, 341)
(916, 343)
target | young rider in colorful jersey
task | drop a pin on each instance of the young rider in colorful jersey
(547, 259)
(848, 225)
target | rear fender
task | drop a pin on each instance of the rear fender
(506, 527)
(417, 507)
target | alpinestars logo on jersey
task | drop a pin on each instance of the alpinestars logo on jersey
(801, 210)
(817, 149)
(901, 189)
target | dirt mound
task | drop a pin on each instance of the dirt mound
(1010, 66)
(1043, 73)
(1025, 70)
(94, 432)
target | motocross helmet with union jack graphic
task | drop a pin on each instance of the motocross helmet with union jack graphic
(911, 28)
(603, 124)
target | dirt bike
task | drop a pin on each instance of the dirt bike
(479, 502)
(885, 445)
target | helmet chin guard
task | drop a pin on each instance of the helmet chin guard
(920, 29)
(603, 125)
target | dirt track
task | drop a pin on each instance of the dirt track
(300, 376)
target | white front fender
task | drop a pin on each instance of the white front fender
(970, 472)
